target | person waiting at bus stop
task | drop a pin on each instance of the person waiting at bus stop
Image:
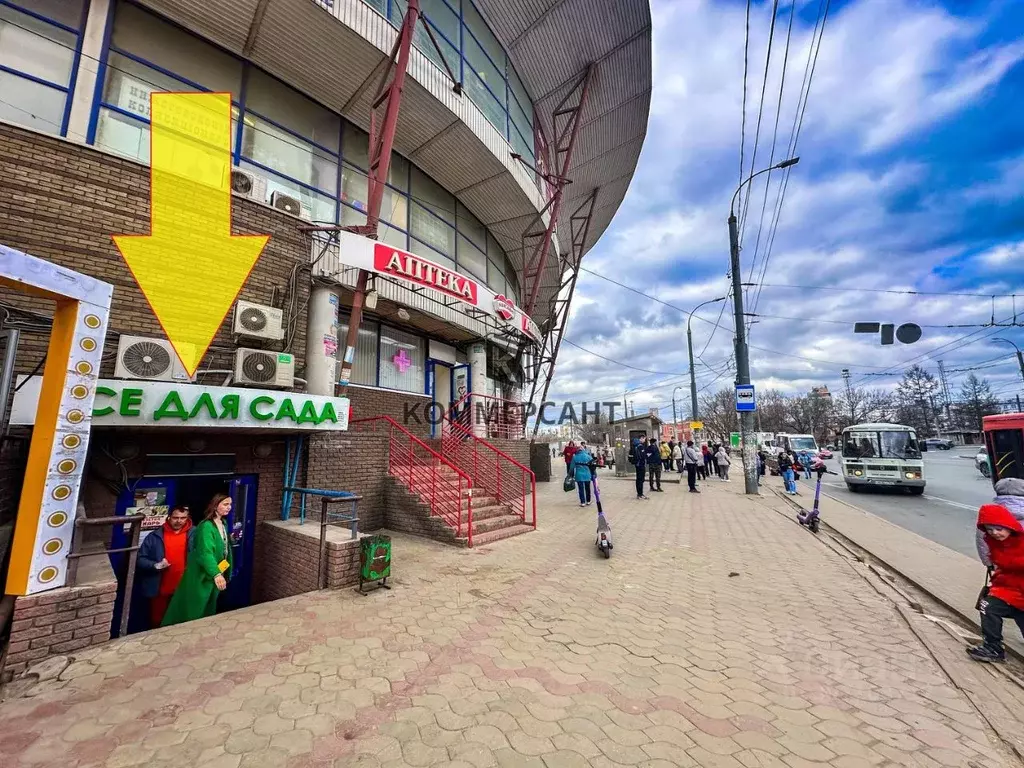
(1003, 597)
(654, 465)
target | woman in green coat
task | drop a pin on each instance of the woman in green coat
(208, 568)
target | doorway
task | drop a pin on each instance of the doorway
(193, 492)
(440, 387)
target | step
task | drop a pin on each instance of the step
(495, 523)
(483, 539)
(485, 512)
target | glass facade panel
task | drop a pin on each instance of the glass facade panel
(472, 259)
(470, 226)
(66, 12)
(36, 48)
(364, 367)
(484, 37)
(123, 135)
(424, 250)
(276, 101)
(321, 207)
(402, 360)
(432, 195)
(433, 231)
(31, 104)
(279, 151)
(144, 35)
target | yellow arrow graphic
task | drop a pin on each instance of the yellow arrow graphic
(190, 267)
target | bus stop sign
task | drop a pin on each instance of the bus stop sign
(745, 398)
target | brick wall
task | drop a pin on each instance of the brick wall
(405, 512)
(407, 408)
(61, 621)
(292, 553)
(62, 201)
(352, 461)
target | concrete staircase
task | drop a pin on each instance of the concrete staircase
(408, 508)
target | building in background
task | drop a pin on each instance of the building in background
(549, 90)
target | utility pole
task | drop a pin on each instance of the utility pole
(742, 352)
(675, 418)
(849, 395)
(945, 393)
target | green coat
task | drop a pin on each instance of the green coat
(196, 595)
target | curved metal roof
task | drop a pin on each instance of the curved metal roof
(551, 43)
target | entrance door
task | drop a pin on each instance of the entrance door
(242, 524)
(439, 385)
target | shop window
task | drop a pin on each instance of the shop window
(364, 367)
(471, 259)
(147, 37)
(288, 155)
(277, 102)
(402, 360)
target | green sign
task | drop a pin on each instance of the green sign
(734, 439)
(121, 403)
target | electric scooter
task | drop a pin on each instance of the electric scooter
(810, 519)
(604, 531)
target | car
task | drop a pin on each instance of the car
(982, 463)
(825, 453)
(939, 443)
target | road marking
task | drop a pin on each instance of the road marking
(951, 503)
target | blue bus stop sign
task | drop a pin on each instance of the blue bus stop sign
(745, 398)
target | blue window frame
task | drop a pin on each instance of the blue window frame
(39, 57)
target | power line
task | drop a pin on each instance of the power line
(798, 121)
(624, 365)
(908, 292)
(760, 113)
(743, 109)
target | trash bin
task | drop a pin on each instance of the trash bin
(375, 560)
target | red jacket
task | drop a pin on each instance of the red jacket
(1007, 556)
(568, 452)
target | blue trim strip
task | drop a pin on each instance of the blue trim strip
(40, 17)
(286, 177)
(75, 62)
(32, 78)
(236, 152)
(101, 76)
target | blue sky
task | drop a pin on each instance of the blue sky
(911, 178)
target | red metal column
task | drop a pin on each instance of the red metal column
(383, 119)
(544, 363)
(564, 144)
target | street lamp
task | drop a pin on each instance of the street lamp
(742, 352)
(1020, 357)
(689, 345)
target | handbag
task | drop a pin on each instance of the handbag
(569, 484)
(983, 594)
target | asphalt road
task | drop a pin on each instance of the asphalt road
(947, 511)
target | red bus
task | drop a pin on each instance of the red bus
(1004, 442)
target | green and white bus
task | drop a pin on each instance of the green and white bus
(882, 455)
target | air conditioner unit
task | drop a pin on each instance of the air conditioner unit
(258, 321)
(141, 357)
(249, 185)
(291, 205)
(260, 368)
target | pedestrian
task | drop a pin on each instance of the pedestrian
(160, 563)
(1009, 494)
(805, 461)
(693, 459)
(654, 465)
(677, 457)
(666, 455)
(567, 452)
(723, 463)
(762, 465)
(705, 453)
(713, 450)
(786, 470)
(582, 463)
(208, 567)
(1004, 539)
(638, 455)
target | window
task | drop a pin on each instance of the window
(321, 207)
(36, 57)
(402, 360)
(471, 259)
(274, 148)
(432, 211)
(470, 226)
(146, 37)
(422, 249)
(364, 369)
(275, 101)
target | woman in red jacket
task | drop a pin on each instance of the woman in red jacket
(567, 453)
(1005, 600)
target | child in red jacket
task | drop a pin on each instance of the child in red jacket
(1005, 600)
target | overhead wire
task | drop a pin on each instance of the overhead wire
(775, 137)
(798, 120)
(743, 108)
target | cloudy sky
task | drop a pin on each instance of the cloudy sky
(911, 178)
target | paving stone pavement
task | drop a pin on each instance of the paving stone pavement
(719, 634)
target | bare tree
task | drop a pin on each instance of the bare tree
(860, 405)
(976, 402)
(594, 430)
(718, 412)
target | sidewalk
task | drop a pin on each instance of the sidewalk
(718, 634)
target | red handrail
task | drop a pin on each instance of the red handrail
(509, 422)
(422, 474)
(463, 447)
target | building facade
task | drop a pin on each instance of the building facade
(468, 199)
